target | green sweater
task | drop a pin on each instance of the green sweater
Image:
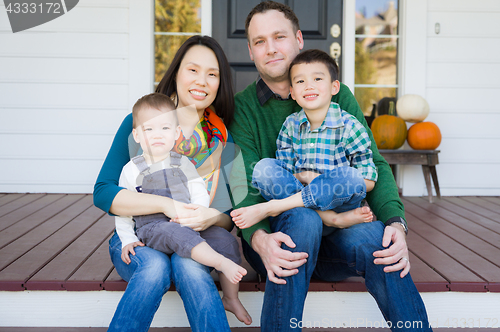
(255, 129)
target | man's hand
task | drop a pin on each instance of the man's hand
(278, 262)
(396, 253)
(129, 249)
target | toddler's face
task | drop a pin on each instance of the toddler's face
(312, 86)
(157, 134)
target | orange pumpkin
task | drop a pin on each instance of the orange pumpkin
(424, 136)
(389, 131)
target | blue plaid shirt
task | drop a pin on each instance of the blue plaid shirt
(341, 140)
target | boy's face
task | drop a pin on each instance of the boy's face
(156, 133)
(312, 86)
(273, 44)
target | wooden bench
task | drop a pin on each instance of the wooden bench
(60, 242)
(427, 158)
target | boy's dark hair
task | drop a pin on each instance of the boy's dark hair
(154, 100)
(264, 6)
(311, 56)
(224, 100)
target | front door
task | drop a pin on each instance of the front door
(320, 22)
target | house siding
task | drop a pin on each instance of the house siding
(463, 68)
(456, 71)
(65, 86)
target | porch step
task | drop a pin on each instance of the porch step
(55, 269)
(186, 329)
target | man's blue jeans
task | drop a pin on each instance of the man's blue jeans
(149, 276)
(343, 253)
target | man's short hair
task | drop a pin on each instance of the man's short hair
(264, 6)
(315, 55)
(154, 100)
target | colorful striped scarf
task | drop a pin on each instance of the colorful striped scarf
(204, 148)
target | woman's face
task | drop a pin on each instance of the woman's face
(198, 78)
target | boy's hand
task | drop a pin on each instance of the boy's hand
(129, 249)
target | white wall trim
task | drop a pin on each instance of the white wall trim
(349, 43)
(141, 49)
(206, 17)
(412, 75)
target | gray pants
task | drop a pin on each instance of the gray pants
(170, 237)
(157, 232)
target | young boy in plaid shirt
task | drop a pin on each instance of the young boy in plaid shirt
(323, 158)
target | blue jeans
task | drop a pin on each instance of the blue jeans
(341, 254)
(149, 276)
(341, 189)
(284, 302)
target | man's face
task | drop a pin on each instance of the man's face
(273, 44)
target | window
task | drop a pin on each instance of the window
(376, 53)
(175, 21)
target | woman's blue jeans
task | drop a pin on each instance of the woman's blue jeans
(149, 276)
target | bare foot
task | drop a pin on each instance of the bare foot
(235, 306)
(248, 216)
(349, 218)
(231, 270)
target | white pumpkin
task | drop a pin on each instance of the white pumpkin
(412, 108)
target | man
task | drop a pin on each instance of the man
(289, 248)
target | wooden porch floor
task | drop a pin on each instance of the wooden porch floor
(59, 242)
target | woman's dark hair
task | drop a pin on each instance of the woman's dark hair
(224, 100)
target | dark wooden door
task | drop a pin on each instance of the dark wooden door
(320, 22)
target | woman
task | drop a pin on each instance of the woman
(193, 78)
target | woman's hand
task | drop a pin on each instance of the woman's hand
(129, 249)
(196, 217)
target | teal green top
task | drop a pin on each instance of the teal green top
(255, 129)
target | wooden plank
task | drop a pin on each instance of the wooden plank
(470, 216)
(91, 275)
(472, 261)
(493, 199)
(473, 237)
(26, 210)
(114, 282)
(6, 198)
(426, 279)
(27, 224)
(19, 247)
(18, 203)
(443, 264)
(478, 210)
(35, 259)
(480, 231)
(487, 209)
(53, 275)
